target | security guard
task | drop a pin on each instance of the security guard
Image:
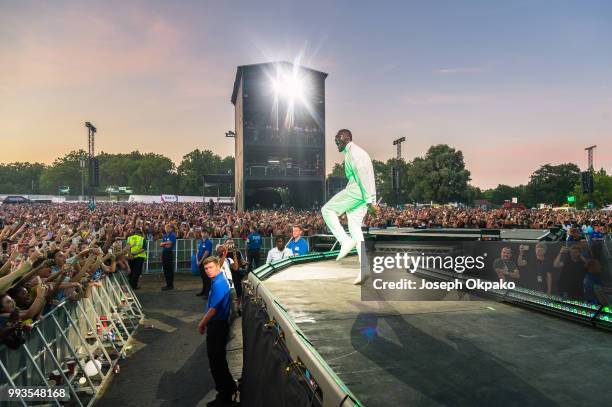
(253, 242)
(215, 324)
(168, 245)
(298, 245)
(138, 255)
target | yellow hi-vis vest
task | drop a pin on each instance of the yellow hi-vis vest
(138, 242)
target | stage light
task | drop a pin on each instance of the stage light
(288, 85)
(295, 88)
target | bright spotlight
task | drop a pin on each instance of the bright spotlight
(288, 85)
(295, 88)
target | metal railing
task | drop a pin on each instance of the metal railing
(275, 171)
(185, 247)
(75, 337)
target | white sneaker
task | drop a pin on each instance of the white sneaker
(358, 280)
(346, 247)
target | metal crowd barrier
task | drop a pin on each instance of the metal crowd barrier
(184, 248)
(77, 345)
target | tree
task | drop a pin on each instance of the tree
(19, 178)
(146, 173)
(440, 176)
(602, 194)
(338, 170)
(503, 192)
(65, 171)
(196, 165)
(553, 183)
(383, 172)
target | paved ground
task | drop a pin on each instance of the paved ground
(451, 353)
(167, 365)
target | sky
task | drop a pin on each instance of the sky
(512, 84)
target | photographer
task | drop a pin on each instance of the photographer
(237, 265)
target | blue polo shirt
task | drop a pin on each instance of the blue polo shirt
(219, 298)
(253, 241)
(169, 237)
(204, 246)
(299, 247)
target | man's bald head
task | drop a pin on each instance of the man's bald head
(343, 137)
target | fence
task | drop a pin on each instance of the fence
(185, 247)
(76, 346)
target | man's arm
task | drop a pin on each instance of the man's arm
(364, 175)
(207, 317)
(37, 305)
(235, 265)
(269, 258)
(558, 263)
(514, 274)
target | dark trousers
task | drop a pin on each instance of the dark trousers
(253, 259)
(216, 339)
(168, 266)
(237, 279)
(205, 280)
(135, 270)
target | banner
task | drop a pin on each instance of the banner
(169, 198)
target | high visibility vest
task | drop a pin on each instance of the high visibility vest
(138, 242)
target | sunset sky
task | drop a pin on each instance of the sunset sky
(513, 84)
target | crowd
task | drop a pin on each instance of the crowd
(223, 222)
(502, 218)
(52, 252)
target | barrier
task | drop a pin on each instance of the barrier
(184, 248)
(74, 338)
(280, 353)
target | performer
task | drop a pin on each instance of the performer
(355, 200)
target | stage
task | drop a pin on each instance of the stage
(442, 353)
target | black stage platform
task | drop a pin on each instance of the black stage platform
(480, 353)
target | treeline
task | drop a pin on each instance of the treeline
(145, 173)
(439, 176)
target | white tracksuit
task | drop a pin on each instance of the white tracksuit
(352, 200)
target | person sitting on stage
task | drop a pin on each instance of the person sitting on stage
(355, 200)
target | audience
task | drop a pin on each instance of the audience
(51, 253)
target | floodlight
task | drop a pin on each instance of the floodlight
(288, 85)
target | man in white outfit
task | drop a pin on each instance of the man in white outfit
(355, 200)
